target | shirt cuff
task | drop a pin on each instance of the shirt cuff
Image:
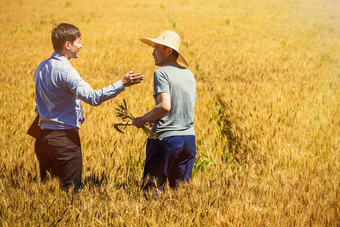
(119, 86)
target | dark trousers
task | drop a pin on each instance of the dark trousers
(171, 158)
(59, 152)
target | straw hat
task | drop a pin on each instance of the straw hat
(169, 39)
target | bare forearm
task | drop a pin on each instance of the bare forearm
(162, 108)
(156, 113)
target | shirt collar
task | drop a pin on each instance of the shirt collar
(60, 57)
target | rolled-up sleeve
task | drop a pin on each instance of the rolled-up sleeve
(85, 92)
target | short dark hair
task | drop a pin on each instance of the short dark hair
(62, 33)
(174, 53)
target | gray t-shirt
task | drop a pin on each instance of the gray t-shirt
(179, 82)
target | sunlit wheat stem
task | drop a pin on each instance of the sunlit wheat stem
(124, 113)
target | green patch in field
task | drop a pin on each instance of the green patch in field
(202, 164)
(174, 24)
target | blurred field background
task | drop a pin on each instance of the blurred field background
(267, 114)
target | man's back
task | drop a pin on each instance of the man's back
(179, 82)
(56, 102)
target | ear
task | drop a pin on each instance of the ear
(67, 45)
(169, 51)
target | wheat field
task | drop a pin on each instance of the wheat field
(267, 115)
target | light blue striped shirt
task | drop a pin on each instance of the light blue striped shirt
(59, 90)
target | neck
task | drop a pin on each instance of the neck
(64, 53)
(171, 62)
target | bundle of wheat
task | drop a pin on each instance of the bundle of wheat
(124, 113)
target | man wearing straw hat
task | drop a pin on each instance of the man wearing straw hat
(172, 155)
(59, 90)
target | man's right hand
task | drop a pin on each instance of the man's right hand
(138, 122)
(130, 79)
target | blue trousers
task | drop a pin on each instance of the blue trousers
(171, 158)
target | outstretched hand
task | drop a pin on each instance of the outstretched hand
(130, 79)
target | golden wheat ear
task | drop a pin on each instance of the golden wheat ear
(124, 113)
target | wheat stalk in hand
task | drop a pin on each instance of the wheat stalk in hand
(124, 113)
